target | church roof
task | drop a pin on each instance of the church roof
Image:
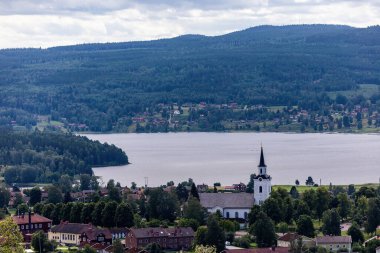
(226, 200)
(262, 161)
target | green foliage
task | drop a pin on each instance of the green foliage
(54, 195)
(153, 248)
(215, 235)
(124, 216)
(355, 233)
(264, 231)
(40, 243)
(200, 236)
(103, 86)
(35, 196)
(243, 242)
(373, 215)
(162, 205)
(86, 215)
(118, 247)
(4, 197)
(108, 214)
(194, 224)
(11, 235)
(305, 226)
(331, 222)
(44, 157)
(194, 191)
(194, 210)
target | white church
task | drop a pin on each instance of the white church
(238, 205)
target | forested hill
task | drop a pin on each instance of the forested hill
(103, 85)
(31, 157)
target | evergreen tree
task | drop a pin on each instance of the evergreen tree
(182, 192)
(264, 231)
(215, 235)
(294, 193)
(194, 191)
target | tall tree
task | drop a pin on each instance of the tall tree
(215, 235)
(322, 201)
(331, 222)
(305, 226)
(264, 231)
(373, 215)
(11, 237)
(194, 210)
(4, 197)
(97, 213)
(162, 205)
(108, 214)
(86, 215)
(343, 205)
(355, 233)
(35, 196)
(194, 191)
(75, 212)
(54, 195)
(124, 215)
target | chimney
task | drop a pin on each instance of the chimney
(30, 218)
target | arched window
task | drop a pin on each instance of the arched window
(260, 189)
(236, 215)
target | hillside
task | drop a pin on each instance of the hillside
(102, 87)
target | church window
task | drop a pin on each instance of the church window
(236, 215)
(245, 215)
(228, 215)
(260, 189)
(261, 171)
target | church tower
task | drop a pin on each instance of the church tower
(262, 182)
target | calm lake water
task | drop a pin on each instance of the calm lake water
(231, 157)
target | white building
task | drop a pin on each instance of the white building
(334, 243)
(262, 182)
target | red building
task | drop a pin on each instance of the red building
(31, 223)
(168, 238)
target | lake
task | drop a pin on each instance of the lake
(231, 157)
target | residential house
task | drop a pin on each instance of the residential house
(287, 239)
(179, 238)
(31, 223)
(334, 243)
(76, 234)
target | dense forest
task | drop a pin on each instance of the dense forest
(102, 86)
(29, 157)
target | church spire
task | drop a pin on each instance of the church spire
(262, 161)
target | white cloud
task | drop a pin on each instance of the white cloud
(46, 23)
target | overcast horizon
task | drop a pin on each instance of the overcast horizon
(43, 23)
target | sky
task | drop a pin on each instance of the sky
(46, 23)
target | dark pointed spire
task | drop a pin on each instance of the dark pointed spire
(262, 161)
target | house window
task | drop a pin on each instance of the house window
(260, 189)
(40, 225)
(245, 215)
(228, 215)
(236, 215)
(22, 226)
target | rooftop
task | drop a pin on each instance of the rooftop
(223, 200)
(333, 239)
(35, 218)
(162, 232)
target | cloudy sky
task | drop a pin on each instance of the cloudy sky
(45, 23)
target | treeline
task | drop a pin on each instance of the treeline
(31, 157)
(99, 85)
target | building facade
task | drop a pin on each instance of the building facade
(179, 238)
(334, 243)
(31, 223)
(262, 182)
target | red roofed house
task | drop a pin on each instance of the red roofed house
(31, 223)
(287, 239)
